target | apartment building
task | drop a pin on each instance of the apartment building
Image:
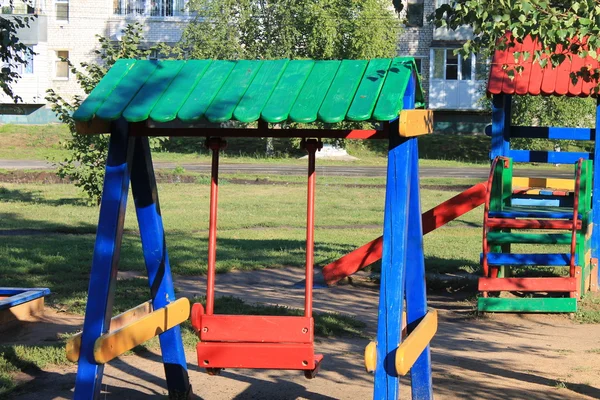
(69, 29)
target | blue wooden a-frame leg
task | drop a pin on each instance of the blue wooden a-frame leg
(145, 195)
(393, 263)
(105, 261)
(416, 295)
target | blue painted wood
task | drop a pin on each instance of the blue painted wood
(551, 259)
(501, 108)
(154, 247)
(103, 275)
(416, 294)
(595, 240)
(393, 263)
(551, 157)
(546, 192)
(514, 213)
(527, 201)
(556, 133)
(20, 296)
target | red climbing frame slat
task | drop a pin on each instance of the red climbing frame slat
(432, 219)
(528, 284)
(294, 356)
(531, 223)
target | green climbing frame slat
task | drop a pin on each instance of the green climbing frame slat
(527, 305)
(541, 238)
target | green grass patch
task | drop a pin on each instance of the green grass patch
(588, 309)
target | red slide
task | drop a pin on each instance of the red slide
(436, 217)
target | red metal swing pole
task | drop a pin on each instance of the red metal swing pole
(214, 144)
(311, 146)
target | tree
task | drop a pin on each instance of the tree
(13, 53)
(570, 25)
(262, 29)
(85, 164)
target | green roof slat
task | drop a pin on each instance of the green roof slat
(257, 95)
(177, 93)
(368, 91)
(232, 91)
(342, 90)
(205, 91)
(315, 88)
(391, 96)
(283, 97)
(144, 101)
(102, 91)
(126, 90)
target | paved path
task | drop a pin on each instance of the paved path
(329, 170)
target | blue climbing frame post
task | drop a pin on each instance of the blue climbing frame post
(596, 192)
(145, 196)
(105, 261)
(501, 122)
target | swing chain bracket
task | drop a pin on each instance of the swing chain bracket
(215, 143)
(311, 145)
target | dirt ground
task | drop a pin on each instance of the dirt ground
(497, 357)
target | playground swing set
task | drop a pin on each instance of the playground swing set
(139, 99)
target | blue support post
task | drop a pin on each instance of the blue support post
(501, 122)
(105, 261)
(596, 192)
(393, 263)
(145, 196)
(416, 293)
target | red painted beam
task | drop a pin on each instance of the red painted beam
(531, 223)
(528, 284)
(255, 328)
(298, 356)
(432, 219)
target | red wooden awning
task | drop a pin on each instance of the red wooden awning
(534, 79)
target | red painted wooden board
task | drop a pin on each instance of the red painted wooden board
(528, 284)
(257, 355)
(432, 219)
(531, 223)
(256, 328)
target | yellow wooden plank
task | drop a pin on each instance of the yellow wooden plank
(550, 183)
(412, 347)
(533, 191)
(13, 316)
(113, 344)
(74, 343)
(415, 122)
(371, 349)
(371, 357)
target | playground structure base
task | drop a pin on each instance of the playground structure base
(527, 305)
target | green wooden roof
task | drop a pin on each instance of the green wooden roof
(248, 90)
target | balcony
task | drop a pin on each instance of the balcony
(147, 8)
(448, 35)
(36, 32)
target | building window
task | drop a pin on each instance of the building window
(29, 61)
(415, 9)
(62, 10)
(150, 8)
(61, 65)
(450, 67)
